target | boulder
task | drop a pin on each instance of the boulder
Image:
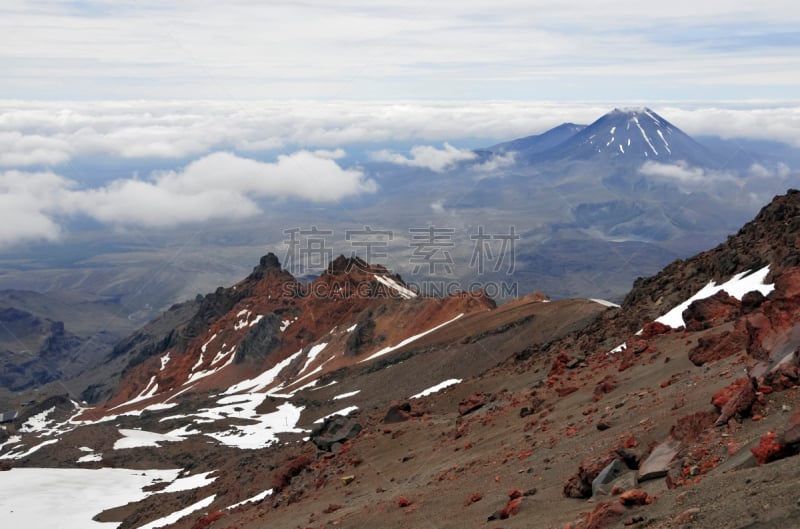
(399, 411)
(737, 399)
(336, 429)
(471, 403)
(612, 471)
(711, 311)
(658, 462)
(633, 497)
(653, 329)
(580, 485)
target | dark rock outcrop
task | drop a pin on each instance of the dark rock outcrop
(336, 429)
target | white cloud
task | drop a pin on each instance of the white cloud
(303, 174)
(428, 157)
(26, 204)
(496, 162)
(781, 123)
(23, 150)
(687, 177)
(218, 186)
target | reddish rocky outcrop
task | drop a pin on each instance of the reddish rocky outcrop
(471, 403)
(734, 400)
(580, 485)
(711, 311)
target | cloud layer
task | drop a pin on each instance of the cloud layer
(220, 185)
(49, 134)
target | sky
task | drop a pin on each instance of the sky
(409, 49)
(208, 108)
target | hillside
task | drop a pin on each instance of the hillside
(386, 409)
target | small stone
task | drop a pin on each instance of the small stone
(633, 497)
(687, 516)
(348, 479)
(603, 425)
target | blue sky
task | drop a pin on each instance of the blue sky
(414, 49)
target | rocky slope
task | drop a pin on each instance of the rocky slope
(678, 409)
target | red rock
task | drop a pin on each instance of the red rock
(711, 311)
(475, 496)
(559, 364)
(511, 508)
(208, 520)
(633, 497)
(653, 329)
(402, 501)
(580, 485)
(332, 507)
(738, 399)
(770, 449)
(566, 390)
(718, 346)
(691, 428)
(471, 403)
(787, 284)
(399, 411)
(514, 494)
(751, 301)
(606, 385)
(604, 515)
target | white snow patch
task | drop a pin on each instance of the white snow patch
(644, 135)
(285, 324)
(147, 392)
(619, 348)
(352, 328)
(198, 481)
(263, 432)
(14, 439)
(208, 372)
(20, 455)
(38, 422)
(666, 143)
(164, 361)
(435, 389)
(203, 347)
(312, 355)
(140, 438)
(242, 313)
(72, 496)
(622, 149)
(199, 362)
(407, 341)
(90, 458)
(404, 292)
(344, 411)
(264, 379)
(258, 497)
(174, 517)
(604, 302)
(737, 286)
(256, 320)
(346, 395)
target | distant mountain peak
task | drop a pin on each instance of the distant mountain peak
(631, 135)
